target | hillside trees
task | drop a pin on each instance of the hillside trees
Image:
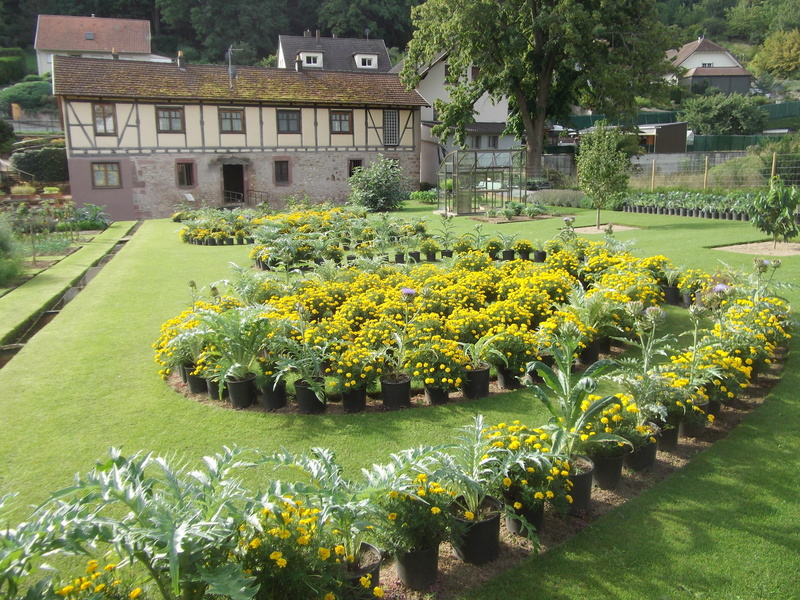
(780, 55)
(545, 56)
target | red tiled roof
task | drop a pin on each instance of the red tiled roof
(126, 79)
(699, 45)
(61, 32)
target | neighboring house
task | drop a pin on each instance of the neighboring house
(486, 133)
(91, 37)
(140, 136)
(708, 65)
(333, 54)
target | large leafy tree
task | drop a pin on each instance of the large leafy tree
(546, 56)
(724, 115)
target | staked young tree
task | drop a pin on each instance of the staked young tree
(546, 56)
(603, 167)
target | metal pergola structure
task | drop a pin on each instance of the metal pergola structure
(473, 181)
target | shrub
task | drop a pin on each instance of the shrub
(378, 186)
(7, 136)
(10, 260)
(23, 190)
(30, 95)
(45, 164)
(426, 197)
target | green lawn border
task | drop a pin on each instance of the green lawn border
(22, 306)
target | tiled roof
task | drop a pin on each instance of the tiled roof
(718, 72)
(337, 53)
(125, 79)
(60, 32)
(699, 45)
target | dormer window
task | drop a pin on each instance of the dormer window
(366, 61)
(311, 59)
(708, 65)
(89, 35)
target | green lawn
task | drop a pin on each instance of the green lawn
(724, 527)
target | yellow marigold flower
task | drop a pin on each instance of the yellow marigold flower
(392, 516)
(329, 596)
(110, 567)
(100, 587)
(66, 590)
(469, 516)
(507, 481)
(377, 592)
(517, 505)
(339, 550)
(393, 494)
(539, 496)
(435, 510)
(281, 562)
(275, 555)
(324, 553)
(135, 593)
(255, 543)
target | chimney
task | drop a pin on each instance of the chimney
(307, 33)
(298, 63)
(318, 32)
(114, 54)
(181, 64)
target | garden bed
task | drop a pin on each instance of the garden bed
(457, 577)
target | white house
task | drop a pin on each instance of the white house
(91, 37)
(707, 65)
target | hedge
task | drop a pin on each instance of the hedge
(45, 164)
(12, 68)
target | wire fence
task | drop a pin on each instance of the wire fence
(718, 171)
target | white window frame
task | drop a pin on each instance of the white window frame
(370, 59)
(311, 59)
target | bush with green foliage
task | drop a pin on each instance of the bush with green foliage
(10, 259)
(7, 137)
(44, 164)
(30, 95)
(426, 197)
(378, 186)
(724, 115)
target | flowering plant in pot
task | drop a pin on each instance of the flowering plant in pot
(351, 366)
(438, 363)
(301, 352)
(569, 405)
(237, 338)
(346, 510)
(287, 551)
(414, 508)
(470, 468)
(534, 476)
